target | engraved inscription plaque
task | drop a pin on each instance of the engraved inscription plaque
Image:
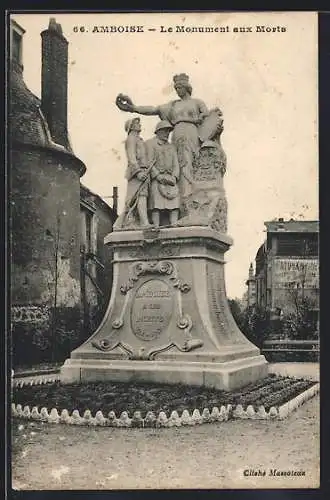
(151, 309)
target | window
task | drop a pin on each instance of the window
(312, 247)
(87, 239)
(299, 246)
(88, 232)
(17, 47)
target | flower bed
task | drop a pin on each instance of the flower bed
(121, 398)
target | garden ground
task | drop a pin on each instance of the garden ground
(57, 457)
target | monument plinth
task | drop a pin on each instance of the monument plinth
(168, 319)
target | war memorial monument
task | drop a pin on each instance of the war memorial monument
(168, 319)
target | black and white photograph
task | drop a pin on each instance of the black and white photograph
(164, 250)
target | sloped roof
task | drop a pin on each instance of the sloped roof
(293, 226)
(26, 121)
(86, 193)
(261, 251)
(27, 124)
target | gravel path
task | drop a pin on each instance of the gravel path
(305, 370)
(209, 456)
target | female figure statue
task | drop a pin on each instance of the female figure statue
(186, 114)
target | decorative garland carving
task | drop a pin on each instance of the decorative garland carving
(184, 322)
(205, 207)
(155, 250)
(219, 218)
(162, 267)
(210, 163)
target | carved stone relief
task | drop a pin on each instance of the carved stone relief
(152, 310)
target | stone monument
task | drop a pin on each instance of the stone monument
(168, 319)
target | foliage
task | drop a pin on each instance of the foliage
(257, 325)
(279, 355)
(254, 321)
(299, 323)
(236, 310)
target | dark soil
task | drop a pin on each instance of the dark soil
(106, 396)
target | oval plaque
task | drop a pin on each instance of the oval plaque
(151, 309)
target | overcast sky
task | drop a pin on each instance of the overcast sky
(265, 84)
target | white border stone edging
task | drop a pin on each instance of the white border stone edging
(37, 380)
(293, 404)
(162, 420)
(124, 420)
(279, 412)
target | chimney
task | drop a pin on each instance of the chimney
(54, 82)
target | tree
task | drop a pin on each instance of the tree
(236, 311)
(256, 325)
(253, 321)
(300, 323)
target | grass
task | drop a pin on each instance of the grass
(273, 390)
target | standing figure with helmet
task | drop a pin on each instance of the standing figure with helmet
(165, 173)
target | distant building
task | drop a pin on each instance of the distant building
(287, 267)
(53, 218)
(251, 291)
(96, 218)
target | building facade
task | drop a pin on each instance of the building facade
(48, 202)
(96, 218)
(287, 268)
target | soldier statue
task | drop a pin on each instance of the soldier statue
(165, 173)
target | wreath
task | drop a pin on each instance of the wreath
(124, 102)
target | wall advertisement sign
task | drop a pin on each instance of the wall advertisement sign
(288, 273)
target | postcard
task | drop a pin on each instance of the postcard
(164, 271)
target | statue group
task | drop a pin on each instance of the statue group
(177, 182)
(168, 319)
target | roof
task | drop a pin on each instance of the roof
(85, 192)
(26, 122)
(28, 125)
(261, 251)
(17, 27)
(293, 226)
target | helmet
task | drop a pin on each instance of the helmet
(129, 123)
(163, 124)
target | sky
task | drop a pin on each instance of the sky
(265, 83)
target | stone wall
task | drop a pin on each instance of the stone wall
(44, 219)
(45, 252)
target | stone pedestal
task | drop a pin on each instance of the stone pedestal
(168, 319)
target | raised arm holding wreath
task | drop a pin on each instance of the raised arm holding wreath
(187, 116)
